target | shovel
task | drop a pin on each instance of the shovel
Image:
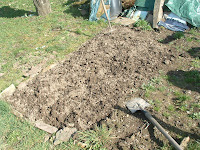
(140, 104)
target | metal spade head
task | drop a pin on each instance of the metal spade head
(136, 104)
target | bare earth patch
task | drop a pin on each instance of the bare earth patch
(95, 81)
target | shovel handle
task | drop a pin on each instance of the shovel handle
(162, 130)
(105, 11)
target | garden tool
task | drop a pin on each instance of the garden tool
(105, 11)
(140, 104)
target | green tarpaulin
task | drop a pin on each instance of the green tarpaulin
(189, 10)
(146, 5)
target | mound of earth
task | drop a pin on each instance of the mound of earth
(86, 87)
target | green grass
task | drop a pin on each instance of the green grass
(144, 25)
(29, 41)
(196, 63)
(180, 97)
(178, 35)
(153, 85)
(193, 145)
(96, 139)
(18, 134)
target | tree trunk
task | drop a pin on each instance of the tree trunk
(43, 7)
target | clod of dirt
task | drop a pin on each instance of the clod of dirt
(85, 88)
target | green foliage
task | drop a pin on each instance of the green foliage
(153, 85)
(196, 64)
(192, 77)
(178, 35)
(195, 115)
(171, 108)
(144, 25)
(22, 36)
(193, 145)
(95, 139)
(18, 134)
(181, 97)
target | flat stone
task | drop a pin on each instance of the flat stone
(167, 62)
(49, 67)
(1, 74)
(45, 127)
(184, 142)
(46, 138)
(64, 135)
(8, 91)
(124, 21)
(17, 114)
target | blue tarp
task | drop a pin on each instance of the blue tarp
(94, 6)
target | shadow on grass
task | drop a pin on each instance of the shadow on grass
(173, 37)
(165, 125)
(194, 52)
(78, 10)
(188, 80)
(8, 12)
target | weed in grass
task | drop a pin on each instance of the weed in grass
(195, 115)
(70, 145)
(193, 145)
(194, 31)
(97, 138)
(162, 88)
(167, 147)
(196, 63)
(195, 106)
(191, 39)
(157, 101)
(171, 108)
(148, 87)
(192, 77)
(178, 35)
(183, 107)
(156, 108)
(18, 134)
(180, 97)
(144, 25)
(147, 94)
(166, 114)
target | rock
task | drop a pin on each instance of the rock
(83, 12)
(1, 74)
(82, 145)
(45, 127)
(17, 114)
(64, 135)
(46, 138)
(197, 97)
(22, 85)
(8, 91)
(49, 67)
(184, 142)
(70, 125)
(166, 62)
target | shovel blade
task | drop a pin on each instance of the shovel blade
(136, 104)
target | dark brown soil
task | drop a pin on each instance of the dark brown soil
(95, 81)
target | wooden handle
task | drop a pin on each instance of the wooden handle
(104, 7)
(162, 130)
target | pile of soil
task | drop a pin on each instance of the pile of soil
(101, 74)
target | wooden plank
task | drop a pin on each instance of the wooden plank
(157, 12)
